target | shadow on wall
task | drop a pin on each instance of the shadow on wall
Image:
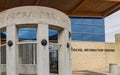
(86, 72)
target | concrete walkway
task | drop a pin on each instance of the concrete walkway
(87, 72)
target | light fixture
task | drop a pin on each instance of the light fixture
(44, 42)
(9, 43)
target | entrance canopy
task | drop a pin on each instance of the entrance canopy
(86, 8)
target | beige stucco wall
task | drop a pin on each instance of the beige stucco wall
(97, 61)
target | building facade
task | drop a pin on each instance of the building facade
(34, 53)
(90, 54)
(88, 29)
(95, 58)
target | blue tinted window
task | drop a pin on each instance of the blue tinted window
(87, 21)
(3, 35)
(98, 29)
(76, 36)
(76, 20)
(99, 38)
(27, 33)
(98, 22)
(87, 37)
(53, 35)
(52, 32)
(76, 28)
(86, 28)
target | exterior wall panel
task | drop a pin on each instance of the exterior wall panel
(94, 56)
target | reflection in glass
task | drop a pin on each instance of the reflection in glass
(3, 54)
(87, 37)
(53, 51)
(98, 22)
(75, 20)
(3, 38)
(53, 36)
(98, 29)
(76, 28)
(53, 58)
(87, 21)
(3, 47)
(86, 28)
(27, 53)
(98, 37)
(76, 36)
(27, 33)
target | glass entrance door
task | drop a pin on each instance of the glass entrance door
(53, 58)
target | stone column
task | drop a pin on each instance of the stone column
(64, 53)
(12, 51)
(42, 51)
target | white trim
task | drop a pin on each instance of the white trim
(27, 42)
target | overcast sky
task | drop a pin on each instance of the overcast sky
(112, 26)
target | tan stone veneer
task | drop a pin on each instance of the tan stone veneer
(94, 58)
